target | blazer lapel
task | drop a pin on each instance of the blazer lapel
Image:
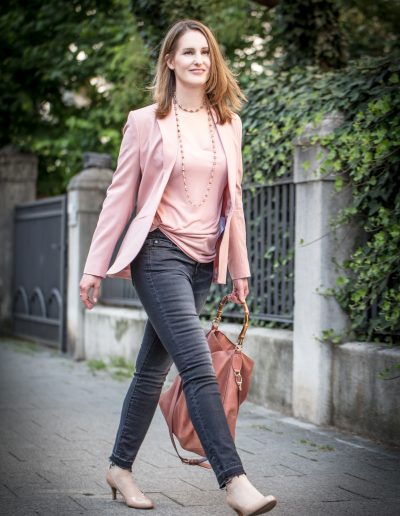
(225, 132)
(167, 127)
(168, 131)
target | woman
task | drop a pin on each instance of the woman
(180, 162)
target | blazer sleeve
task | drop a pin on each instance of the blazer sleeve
(119, 202)
(238, 261)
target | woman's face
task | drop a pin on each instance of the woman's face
(191, 62)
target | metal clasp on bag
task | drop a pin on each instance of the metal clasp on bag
(215, 322)
(239, 343)
(239, 379)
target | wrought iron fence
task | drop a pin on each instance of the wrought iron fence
(269, 214)
(270, 220)
(39, 275)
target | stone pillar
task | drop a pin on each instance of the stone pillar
(18, 174)
(316, 245)
(86, 193)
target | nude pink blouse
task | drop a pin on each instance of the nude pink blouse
(194, 230)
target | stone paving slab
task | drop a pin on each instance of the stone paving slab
(58, 424)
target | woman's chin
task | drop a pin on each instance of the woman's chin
(200, 82)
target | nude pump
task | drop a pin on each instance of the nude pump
(245, 499)
(121, 480)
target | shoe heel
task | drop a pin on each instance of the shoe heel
(114, 493)
(238, 512)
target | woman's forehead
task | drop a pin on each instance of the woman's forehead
(192, 39)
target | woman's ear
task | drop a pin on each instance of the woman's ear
(168, 61)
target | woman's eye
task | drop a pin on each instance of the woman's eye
(191, 52)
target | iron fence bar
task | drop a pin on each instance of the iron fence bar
(63, 274)
(37, 319)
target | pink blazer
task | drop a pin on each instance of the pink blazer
(147, 155)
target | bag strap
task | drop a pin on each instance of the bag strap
(217, 319)
(191, 462)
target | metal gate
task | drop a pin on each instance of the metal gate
(39, 279)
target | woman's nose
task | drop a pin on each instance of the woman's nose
(198, 58)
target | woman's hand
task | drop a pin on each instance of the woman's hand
(88, 283)
(240, 290)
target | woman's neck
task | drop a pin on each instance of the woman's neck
(189, 98)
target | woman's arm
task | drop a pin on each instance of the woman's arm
(238, 263)
(119, 202)
(115, 213)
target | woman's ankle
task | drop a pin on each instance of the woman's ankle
(114, 465)
(229, 480)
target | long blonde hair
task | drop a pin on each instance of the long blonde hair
(222, 89)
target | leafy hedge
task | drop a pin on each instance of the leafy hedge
(365, 154)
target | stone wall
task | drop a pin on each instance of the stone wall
(18, 174)
(361, 401)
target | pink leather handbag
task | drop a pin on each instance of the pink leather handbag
(233, 370)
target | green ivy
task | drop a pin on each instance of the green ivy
(364, 154)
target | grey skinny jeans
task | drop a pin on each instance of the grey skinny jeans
(173, 288)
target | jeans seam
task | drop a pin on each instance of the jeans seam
(148, 274)
(233, 466)
(194, 401)
(120, 458)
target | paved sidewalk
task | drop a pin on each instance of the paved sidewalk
(58, 422)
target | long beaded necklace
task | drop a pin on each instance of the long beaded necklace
(210, 125)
